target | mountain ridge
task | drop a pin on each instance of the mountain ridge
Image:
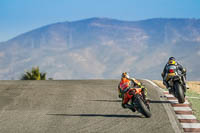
(103, 48)
(104, 18)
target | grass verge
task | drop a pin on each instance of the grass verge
(194, 100)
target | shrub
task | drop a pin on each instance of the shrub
(34, 74)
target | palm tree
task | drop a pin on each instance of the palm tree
(34, 74)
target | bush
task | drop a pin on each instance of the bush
(34, 74)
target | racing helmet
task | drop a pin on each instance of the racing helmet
(172, 61)
(125, 75)
(172, 58)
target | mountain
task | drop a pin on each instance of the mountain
(104, 48)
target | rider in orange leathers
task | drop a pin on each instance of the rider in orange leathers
(125, 84)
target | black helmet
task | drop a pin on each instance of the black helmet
(172, 58)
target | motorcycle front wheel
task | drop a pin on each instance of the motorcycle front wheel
(143, 108)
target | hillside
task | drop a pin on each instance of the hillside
(103, 48)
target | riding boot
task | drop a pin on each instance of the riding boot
(123, 105)
(144, 96)
(184, 82)
(170, 90)
(129, 107)
(165, 83)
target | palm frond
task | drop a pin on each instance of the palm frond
(34, 74)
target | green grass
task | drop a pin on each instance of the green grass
(195, 103)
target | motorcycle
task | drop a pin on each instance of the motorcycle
(176, 82)
(137, 101)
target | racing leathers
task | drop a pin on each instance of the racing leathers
(178, 68)
(123, 87)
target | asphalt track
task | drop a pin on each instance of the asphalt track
(76, 106)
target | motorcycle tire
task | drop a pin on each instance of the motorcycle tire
(143, 108)
(179, 92)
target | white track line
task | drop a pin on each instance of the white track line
(176, 101)
(151, 82)
(193, 97)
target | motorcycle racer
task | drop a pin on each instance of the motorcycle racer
(179, 67)
(125, 84)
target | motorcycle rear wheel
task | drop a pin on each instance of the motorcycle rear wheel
(179, 92)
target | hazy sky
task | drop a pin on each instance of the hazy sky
(19, 16)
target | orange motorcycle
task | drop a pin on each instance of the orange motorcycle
(137, 102)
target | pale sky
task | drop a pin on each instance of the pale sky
(20, 16)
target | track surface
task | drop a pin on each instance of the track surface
(75, 106)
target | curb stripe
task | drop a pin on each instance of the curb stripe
(188, 120)
(184, 114)
(180, 105)
(190, 125)
(197, 130)
(182, 109)
(169, 95)
(186, 117)
(171, 98)
(166, 92)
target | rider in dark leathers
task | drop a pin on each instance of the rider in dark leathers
(172, 61)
